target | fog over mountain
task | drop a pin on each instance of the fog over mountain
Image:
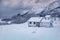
(9, 8)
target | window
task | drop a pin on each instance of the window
(30, 22)
(34, 22)
(48, 18)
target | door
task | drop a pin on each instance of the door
(38, 24)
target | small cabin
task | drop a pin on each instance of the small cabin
(34, 22)
(46, 21)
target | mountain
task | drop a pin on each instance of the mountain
(52, 8)
(36, 9)
(26, 15)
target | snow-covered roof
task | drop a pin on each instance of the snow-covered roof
(35, 19)
(45, 20)
(39, 19)
(48, 16)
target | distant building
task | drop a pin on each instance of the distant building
(34, 22)
(47, 21)
(4, 22)
(48, 17)
(40, 21)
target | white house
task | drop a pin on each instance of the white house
(34, 21)
(46, 22)
(40, 21)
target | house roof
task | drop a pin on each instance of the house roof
(35, 19)
(48, 16)
(46, 20)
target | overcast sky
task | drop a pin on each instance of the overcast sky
(24, 3)
(12, 6)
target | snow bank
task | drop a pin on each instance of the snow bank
(23, 32)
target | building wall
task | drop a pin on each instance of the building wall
(45, 24)
(36, 24)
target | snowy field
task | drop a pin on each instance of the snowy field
(23, 32)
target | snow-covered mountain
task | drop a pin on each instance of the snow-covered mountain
(23, 17)
(52, 8)
(36, 9)
(27, 14)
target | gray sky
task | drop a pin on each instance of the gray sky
(10, 7)
(29, 3)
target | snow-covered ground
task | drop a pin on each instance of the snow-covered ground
(23, 32)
